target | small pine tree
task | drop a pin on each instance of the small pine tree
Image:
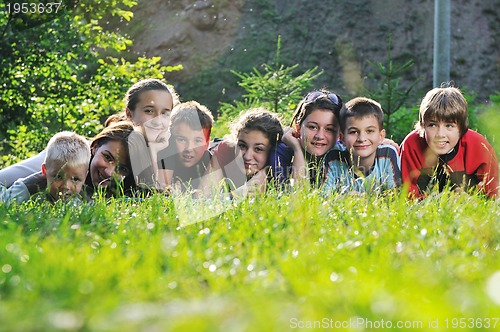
(277, 88)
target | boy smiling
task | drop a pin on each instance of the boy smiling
(62, 174)
(186, 159)
(443, 151)
(363, 163)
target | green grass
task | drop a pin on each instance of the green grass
(265, 264)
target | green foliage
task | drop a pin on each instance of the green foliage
(488, 122)
(392, 96)
(126, 265)
(54, 78)
(278, 88)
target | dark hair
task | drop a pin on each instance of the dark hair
(262, 120)
(443, 104)
(148, 84)
(116, 117)
(359, 108)
(117, 131)
(305, 107)
(192, 113)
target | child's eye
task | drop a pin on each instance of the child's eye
(370, 131)
(242, 146)
(108, 158)
(180, 139)
(352, 132)
(76, 179)
(122, 170)
(450, 125)
(332, 130)
(312, 127)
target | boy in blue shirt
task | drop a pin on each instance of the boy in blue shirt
(62, 174)
(362, 164)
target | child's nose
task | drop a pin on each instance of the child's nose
(247, 155)
(188, 146)
(109, 170)
(440, 130)
(320, 133)
(67, 184)
(155, 122)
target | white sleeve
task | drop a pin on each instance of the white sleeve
(22, 169)
(18, 192)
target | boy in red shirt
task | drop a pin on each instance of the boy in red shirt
(442, 150)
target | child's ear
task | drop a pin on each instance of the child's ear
(128, 113)
(44, 169)
(341, 137)
(382, 135)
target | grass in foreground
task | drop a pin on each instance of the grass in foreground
(267, 264)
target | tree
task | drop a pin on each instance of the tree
(54, 73)
(389, 92)
(277, 88)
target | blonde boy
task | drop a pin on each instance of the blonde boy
(186, 158)
(63, 172)
(443, 151)
(362, 164)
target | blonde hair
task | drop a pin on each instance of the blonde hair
(68, 148)
(443, 104)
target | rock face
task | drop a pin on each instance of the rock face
(342, 37)
(193, 33)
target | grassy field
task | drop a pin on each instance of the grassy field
(272, 263)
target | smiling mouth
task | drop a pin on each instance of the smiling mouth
(187, 157)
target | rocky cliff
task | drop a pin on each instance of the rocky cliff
(211, 37)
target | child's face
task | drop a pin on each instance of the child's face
(362, 137)
(110, 160)
(153, 107)
(191, 144)
(254, 146)
(319, 132)
(441, 136)
(64, 181)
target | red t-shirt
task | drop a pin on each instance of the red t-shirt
(472, 162)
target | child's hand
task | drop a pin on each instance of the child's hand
(257, 184)
(291, 138)
(389, 141)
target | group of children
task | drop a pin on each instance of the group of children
(330, 145)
